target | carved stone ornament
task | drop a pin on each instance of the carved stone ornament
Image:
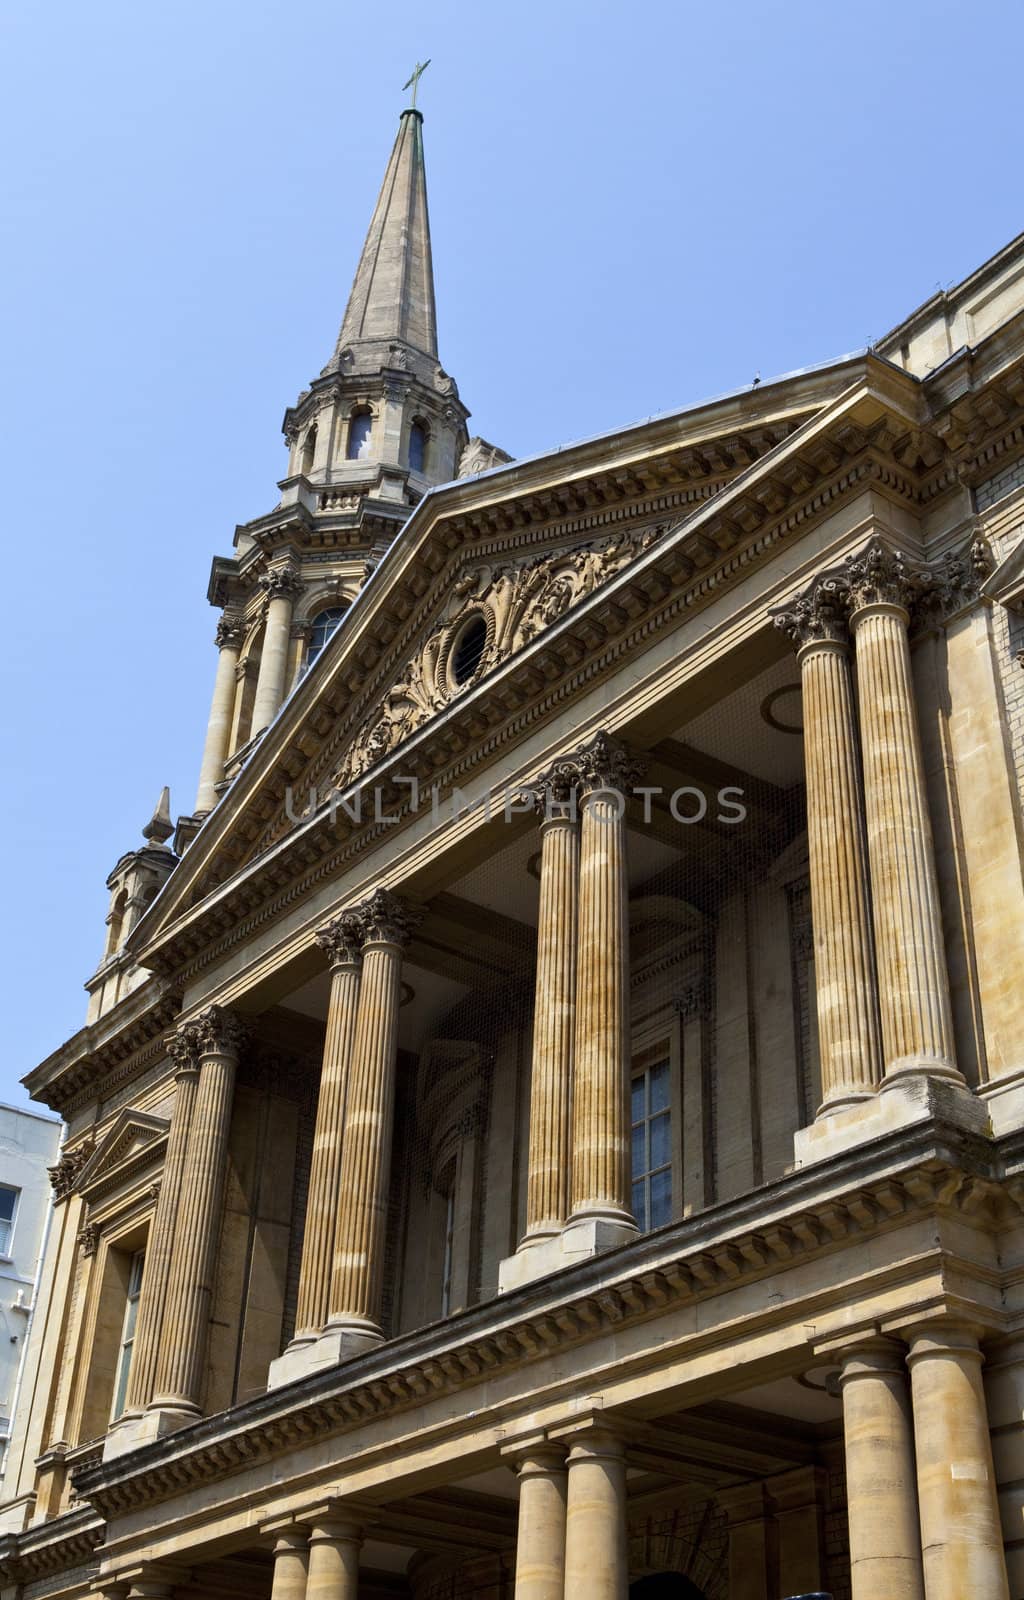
(89, 1238)
(878, 576)
(230, 633)
(817, 617)
(605, 763)
(341, 939)
(955, 582)
(64, 1175)
(386, 918)
(215, 1031)
(517, 602)
(281, 583)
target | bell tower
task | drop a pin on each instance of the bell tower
(379, 426)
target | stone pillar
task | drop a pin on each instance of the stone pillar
(917, 1029)
(291, 1558)
(596, 1541)
(340, 941)
(881, 1489)
(961, 1536)
(547, 1182)
(358, 1268)
(218, 728)
(281, 587)
(181, 1368)
(845, 990)
(183, 1047)
(600, 1189)
(1004, 1395)
(540, 1535)
(334, 1545)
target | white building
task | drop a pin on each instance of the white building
(29, 1141)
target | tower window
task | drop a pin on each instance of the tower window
(651, 1117)
(359, 430)
(309, 449)
(469, 649)
(131, 1316)
(8, 1206)
(417, 447)
(324, 624)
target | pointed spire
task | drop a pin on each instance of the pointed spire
(160, 827)
(393, 293)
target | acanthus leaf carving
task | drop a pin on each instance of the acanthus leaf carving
(517, 602)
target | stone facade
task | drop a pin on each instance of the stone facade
(559, 1126)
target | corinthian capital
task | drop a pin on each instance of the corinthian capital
(183, 1047)
(386, 919)
(878, 576)
(816, 617)
(281, 583)
(341, 939)
(230, 633)
(215, 1031)
(606, 763)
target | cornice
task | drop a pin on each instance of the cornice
(929, 1172)
(51, 1547)
(104, 1053)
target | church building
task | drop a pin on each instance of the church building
(549, 1123)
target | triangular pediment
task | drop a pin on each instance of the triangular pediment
(133, 1140)
(553, 558)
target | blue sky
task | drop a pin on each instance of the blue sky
(633, 207)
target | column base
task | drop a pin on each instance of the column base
(135, 1432)
(903, 1100)
(1004, 1098)
(328, 1349)
(547, 1253)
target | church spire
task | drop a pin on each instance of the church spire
(392, 297)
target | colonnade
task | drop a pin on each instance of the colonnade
(880, 972)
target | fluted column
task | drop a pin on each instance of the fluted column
(881, 1487)
(355, 1300)
(291, 1559)
(340, 941)
(961, 1536)
(181, 1368)
(600, 1191)
(596, 1541)
(554, 1015)
(844, 969)
(540, 1533)
(913, 984)
(183, 1047)
(218, 728)
(281, 587)
(334, 1546)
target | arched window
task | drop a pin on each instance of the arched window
(323, 625)
(360, 428)
(309, 449)
(417, 447)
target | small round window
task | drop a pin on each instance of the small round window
(469, 649)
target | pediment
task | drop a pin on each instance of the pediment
(134, 1139)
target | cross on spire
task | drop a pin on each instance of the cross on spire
(414, 82)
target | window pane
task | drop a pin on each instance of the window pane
(639, 1153)
(7, 1201)
(659, 1077)
(359, 435)
(661, 1142)
(639, 1205)
(638, 1098)
(5, 1238)
(417, 447)
(661, 1199)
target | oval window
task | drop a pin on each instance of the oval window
(469, 649)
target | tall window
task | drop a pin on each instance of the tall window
(323, 625)
(417, 447)
(359, 429)
(448, 1196)
(8, 1207)
(309, 449)
(651, 1117)
(131, 1315)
